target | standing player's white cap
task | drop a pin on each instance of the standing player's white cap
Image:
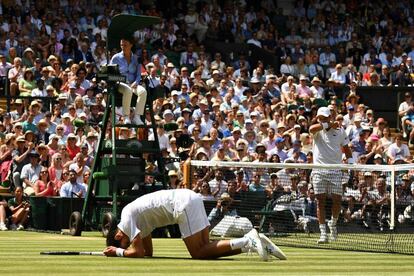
(323, 111)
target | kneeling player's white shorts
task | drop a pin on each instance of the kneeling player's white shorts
(327, 181)
(193, 219)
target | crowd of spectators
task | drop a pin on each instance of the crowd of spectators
(227, 107)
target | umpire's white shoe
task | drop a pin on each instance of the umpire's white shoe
(127, 120)
(272, 248)
(333, 231)
(137, 120)
(3, 227)
(323, 239)
(255, 244)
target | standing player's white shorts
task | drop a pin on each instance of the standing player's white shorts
(193, 218)
(327, 181)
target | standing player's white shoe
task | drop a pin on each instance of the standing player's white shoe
(272, 248)
(333, 231)
(255, 244)
(323, 239)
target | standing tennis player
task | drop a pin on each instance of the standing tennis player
(329, 142)
(184, 207)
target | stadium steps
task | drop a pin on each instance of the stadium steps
(3, 103)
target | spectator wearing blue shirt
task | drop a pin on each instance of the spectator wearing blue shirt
(131, 69)
(358, 144)
(73, 188)
(256, 185)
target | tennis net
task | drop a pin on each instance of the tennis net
(376, 208)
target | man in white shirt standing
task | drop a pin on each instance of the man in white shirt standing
(328, 140)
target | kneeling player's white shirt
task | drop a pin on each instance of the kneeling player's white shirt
(154, 210)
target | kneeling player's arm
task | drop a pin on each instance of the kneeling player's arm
(147, 242)
(136, 249)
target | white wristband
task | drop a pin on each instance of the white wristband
(120, 252)
(325, 125)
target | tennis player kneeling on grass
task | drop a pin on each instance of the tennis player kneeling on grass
(184, 207)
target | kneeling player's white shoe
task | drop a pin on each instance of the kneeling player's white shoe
(333, 231)
(255, 244)
(323, 239)
(272, 248)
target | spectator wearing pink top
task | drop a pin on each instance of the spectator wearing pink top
(303, 89)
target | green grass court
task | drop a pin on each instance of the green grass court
(19, 254)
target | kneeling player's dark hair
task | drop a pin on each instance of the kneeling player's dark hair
(110, 238)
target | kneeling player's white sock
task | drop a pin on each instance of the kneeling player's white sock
(238, 243)
(334, 221)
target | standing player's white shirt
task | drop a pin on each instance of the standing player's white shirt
(152, 211)
(327, 146)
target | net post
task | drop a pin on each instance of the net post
(392, 219)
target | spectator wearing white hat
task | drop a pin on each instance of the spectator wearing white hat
(317, 90)
(17, 114)
(42, 134)
(214, 81)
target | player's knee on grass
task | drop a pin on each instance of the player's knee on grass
(196, 244)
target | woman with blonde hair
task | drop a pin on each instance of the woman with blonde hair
(79, 105)
(56, 168)
(72, 74)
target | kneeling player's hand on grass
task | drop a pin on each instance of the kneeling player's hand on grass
(110, 251)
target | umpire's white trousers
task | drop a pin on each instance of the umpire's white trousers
(126, 92)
